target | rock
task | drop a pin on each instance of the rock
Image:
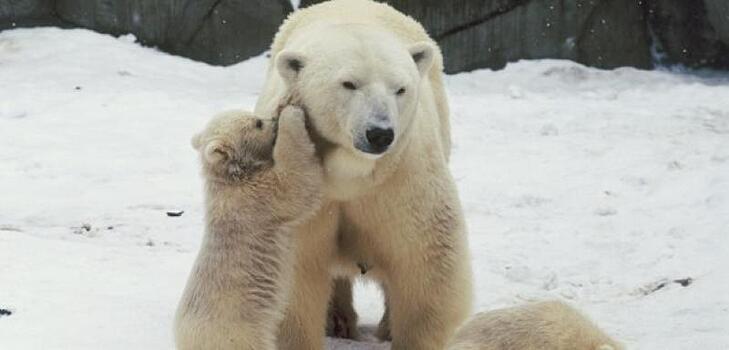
(215, 31)
(600, 34)
(175, 213)
(472, 33)
(692, 33)
(27, 13)
(718, 13)
(613, 34)
(238, 29)
(488, 34)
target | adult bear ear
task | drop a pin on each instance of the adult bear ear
(289, 65)
(422, 54)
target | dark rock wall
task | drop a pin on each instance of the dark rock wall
(472, 33)
(691, 35)
(215, 31)
(477, 33)
(27, 13)
(613, 34)
(717, 12)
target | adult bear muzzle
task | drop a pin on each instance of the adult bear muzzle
(379, 139)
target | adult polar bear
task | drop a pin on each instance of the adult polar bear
(371, 81)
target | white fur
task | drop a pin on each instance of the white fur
(550, 325)
(398, 212)
(256, 193)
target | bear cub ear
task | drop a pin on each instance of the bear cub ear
(216, 152)
(289, 65)
(422, 54)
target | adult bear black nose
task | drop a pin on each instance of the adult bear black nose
(379, 139)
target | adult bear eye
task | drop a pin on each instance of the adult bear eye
(400, 91)
(349, 85)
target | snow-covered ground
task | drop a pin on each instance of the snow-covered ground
(596, 187)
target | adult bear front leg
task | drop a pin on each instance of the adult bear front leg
(418, 240)
(428, 297)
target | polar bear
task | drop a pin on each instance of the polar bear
(256, 192)
(370, 79)
(549, 325)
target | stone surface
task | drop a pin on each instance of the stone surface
(489, 34)
(718, 13)
(472, 33)
(612, 34)
(238, 29)
(685, 35)
(215, 31)
(27, 13)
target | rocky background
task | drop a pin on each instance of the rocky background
(472, 33)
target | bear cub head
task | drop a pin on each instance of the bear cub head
(236, 145)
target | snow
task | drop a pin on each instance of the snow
(591, 186)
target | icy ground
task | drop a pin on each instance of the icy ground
(597, 187)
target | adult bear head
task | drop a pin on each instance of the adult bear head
(359, 84)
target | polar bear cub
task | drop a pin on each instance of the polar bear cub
(550, 325)
(260, 181)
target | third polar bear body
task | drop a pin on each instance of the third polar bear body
(549, 325)
(370, 79)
